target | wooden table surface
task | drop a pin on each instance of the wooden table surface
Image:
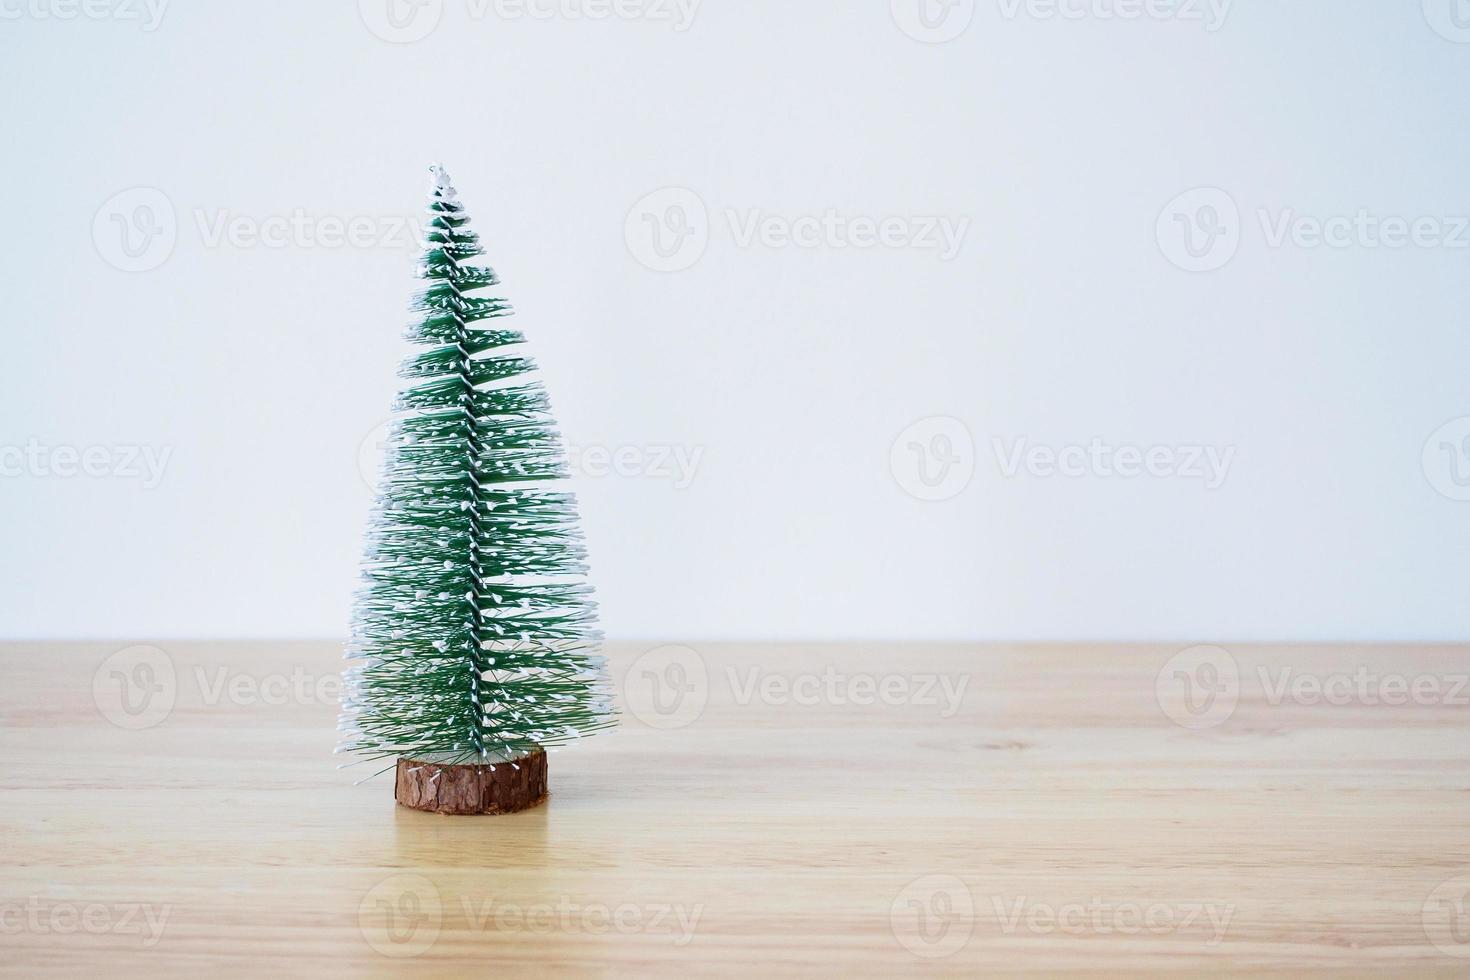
(775, 809)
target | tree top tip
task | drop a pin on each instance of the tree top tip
(442, 187)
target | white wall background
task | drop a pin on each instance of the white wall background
(1065, 316)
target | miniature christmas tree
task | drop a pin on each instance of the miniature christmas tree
(474, 640)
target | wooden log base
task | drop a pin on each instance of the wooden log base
(503, 787)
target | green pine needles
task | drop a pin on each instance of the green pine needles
(474, 636)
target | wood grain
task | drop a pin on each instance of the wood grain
(857, 810)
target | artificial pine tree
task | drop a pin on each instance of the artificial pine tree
(474, 640)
